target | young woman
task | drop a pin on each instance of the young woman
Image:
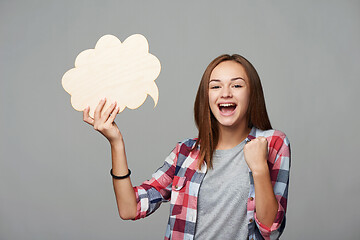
(229, 183)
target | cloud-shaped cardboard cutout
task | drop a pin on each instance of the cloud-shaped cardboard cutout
(122, 72)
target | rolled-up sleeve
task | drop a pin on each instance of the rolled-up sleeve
(151, 193)
(279, 174)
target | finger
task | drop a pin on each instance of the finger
(86, 116)
(263, 139)
(108, 111)
(113, 114)
(97, 113)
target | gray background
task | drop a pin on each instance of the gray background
(54, 168)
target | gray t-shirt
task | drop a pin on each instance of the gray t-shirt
(223, 197)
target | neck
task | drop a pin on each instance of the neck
(229, 137)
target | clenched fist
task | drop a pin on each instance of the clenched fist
(256, 154)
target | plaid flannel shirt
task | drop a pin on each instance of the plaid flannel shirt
(179, 179)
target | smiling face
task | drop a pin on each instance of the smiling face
(229, 94)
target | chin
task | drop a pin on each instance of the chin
(230, 123)
(227, 123)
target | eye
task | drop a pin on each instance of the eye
(237, 86)
(213, 87)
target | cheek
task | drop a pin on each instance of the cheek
(212, 98)
(212, 102)
(245, 99)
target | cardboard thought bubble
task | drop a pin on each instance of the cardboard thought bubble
(122, 72)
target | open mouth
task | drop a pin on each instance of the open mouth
(227, 108)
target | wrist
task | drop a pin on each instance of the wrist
(262, 170)
(117, 143)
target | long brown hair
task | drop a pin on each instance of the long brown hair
(206, 122)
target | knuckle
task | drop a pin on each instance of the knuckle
(261, 138)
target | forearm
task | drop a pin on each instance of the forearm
(265, 201)
(124, 192)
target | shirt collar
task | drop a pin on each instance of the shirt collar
(252, 134)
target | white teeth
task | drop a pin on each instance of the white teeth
(226, 104)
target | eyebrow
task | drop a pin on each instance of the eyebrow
(233, 79)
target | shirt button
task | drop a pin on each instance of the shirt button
(251, 198)
(251, 220)
(176, 186)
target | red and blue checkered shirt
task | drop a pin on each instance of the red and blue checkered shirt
(179, 179)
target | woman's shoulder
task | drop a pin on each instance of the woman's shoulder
(187, 142)
(184, 151)
(185, 146)
(269, 133)
(278, 143)
(274, 137)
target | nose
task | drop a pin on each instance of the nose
(226, 92)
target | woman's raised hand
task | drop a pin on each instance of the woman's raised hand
(256, 154)
(104, 123)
